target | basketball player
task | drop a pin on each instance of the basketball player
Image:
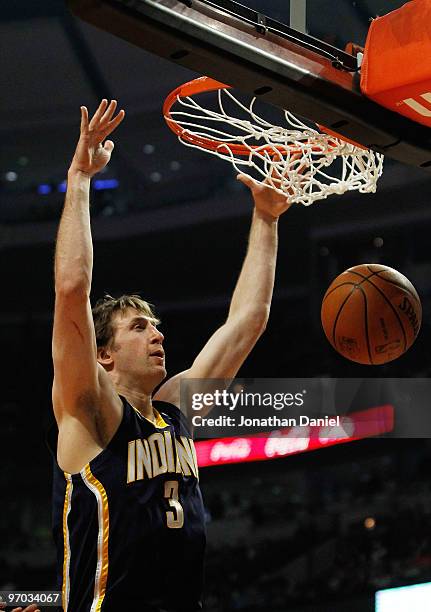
(128, 514)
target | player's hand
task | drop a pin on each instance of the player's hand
(32, 608)
(267, 201)
(92, 153)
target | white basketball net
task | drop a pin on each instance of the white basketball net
(295, 160)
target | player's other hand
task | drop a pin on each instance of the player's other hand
(93, 152)
(267, 201)
(32, 608)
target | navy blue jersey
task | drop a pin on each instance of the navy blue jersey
(129, 528)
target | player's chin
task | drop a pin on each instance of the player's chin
(160, 371)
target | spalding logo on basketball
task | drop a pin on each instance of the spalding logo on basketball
(371, 314)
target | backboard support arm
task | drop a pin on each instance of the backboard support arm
(298, 15)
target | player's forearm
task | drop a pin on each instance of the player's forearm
(253, 292)
(74, 248)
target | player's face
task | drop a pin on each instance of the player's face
(138, 347)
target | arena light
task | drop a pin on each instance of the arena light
(291, 441)
(415, 598)
(102, 184)
(44, 189)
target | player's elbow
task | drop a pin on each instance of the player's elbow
(261, 319)
(254, 321)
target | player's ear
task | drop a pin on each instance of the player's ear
(104, 357)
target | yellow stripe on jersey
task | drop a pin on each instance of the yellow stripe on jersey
(160, 421)
(66, 543)
(101, 577)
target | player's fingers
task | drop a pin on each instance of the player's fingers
(278, 168)
(277, 155)
(99, 113)
(246, 180)
(115, 122)
(84, 119)
(276, 174)
(301, 167)
(110, 110)
(109, 146)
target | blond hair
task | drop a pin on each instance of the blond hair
(105, 309)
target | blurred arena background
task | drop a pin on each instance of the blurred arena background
(320, 531)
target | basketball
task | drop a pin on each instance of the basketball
(371, 314)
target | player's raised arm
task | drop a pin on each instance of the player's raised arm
(76, 377)
(229, 346)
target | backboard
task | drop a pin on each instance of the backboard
(263, 57)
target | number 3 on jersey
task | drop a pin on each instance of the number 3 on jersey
(174, 517)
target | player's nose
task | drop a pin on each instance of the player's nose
(157, 337)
